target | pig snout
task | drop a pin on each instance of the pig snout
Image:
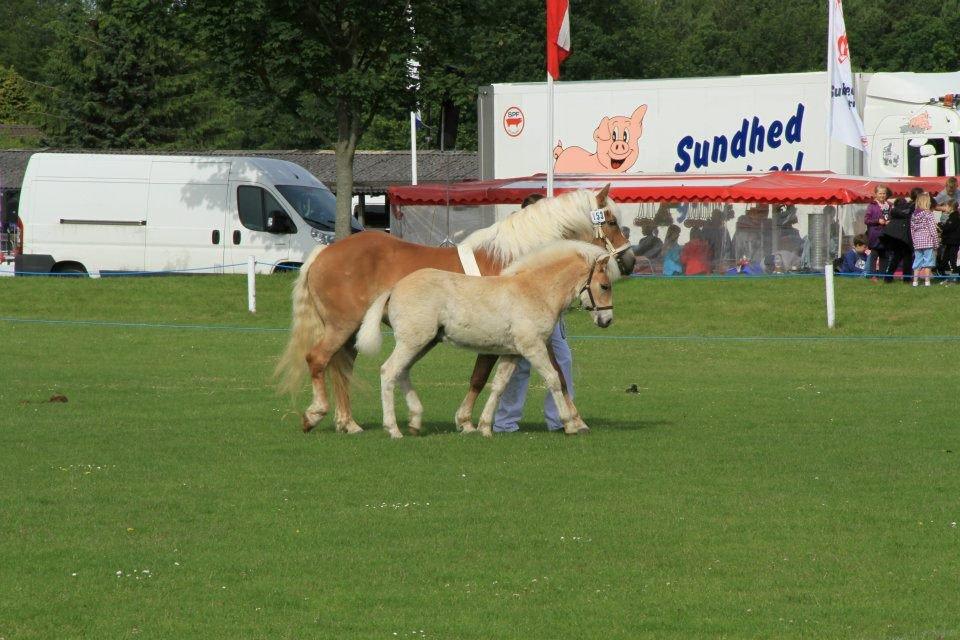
(619, 148)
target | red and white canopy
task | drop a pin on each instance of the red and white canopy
(798, 187)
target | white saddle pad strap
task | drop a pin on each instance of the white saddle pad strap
(468, 260)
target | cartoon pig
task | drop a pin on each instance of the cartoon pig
(616, 139)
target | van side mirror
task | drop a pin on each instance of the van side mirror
(279, 222)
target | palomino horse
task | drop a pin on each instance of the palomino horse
(511, 315)
(338, 283)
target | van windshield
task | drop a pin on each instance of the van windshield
(315, 205)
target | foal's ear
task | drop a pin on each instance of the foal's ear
(602, 195)
(602, 262)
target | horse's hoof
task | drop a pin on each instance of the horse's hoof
(467, 428)
(583, 430)
(308, 424)
(395, 435)
(486, 432)
(350, 427)
(414, 431)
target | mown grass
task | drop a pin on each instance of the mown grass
(804, 484)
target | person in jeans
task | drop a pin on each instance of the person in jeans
(510, 409)
(923, 233)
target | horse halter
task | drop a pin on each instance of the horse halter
(598, 219)
(593, 303)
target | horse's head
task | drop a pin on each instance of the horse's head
(596, 295)
(607, 232)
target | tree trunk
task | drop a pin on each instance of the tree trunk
(345, 149)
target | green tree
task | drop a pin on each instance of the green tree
(27, 33)
(120, 76)
(325, 68)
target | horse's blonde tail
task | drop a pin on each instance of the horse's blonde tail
(306, 330)
(369, 338)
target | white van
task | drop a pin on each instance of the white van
(87, 213)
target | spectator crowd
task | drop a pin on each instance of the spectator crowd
(914, 238)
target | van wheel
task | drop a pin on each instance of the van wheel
(69, 268)
(287, 267)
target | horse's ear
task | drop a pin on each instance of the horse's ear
(602, 262)
(602, 195)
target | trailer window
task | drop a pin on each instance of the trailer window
(254, 205)
(927, 157)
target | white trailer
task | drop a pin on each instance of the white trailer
(92, 213)
(720, 125)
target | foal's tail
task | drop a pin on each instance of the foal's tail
(306, 331)
(369, 337)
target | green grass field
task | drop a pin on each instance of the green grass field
(771, 479)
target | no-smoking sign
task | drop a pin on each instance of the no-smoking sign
(513, 121)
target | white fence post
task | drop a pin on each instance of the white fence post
(831, 302)
(252, 284)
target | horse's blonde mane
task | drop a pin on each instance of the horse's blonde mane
(554, 252)
(543, 222)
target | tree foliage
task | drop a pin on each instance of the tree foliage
(326, 68)
(120, 77)
(335, 74)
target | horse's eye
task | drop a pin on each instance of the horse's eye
(604, 287)
(612, 223)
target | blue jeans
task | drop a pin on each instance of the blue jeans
(510, 410)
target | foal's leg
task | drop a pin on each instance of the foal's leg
(504, 370)
(540, 360)
(394, 369)
(414, 405)
(481, 372)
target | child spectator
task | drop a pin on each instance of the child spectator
(855, 260)
(671, 252)
(923, 233)
(695, 256)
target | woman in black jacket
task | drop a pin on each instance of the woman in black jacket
(950, 242)
(896, 237)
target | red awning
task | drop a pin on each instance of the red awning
(798, 187)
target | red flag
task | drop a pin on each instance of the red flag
(558, 35)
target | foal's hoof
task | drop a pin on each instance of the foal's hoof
(466, 428)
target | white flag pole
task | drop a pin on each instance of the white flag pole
(413, 148)
(549, 135)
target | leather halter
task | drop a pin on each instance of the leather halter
(598, 219)
(593, 303)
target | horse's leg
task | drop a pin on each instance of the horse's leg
(414, 405)
(322, 355)
(504, 370)
(394, 369)
(341, 373)
(539, 359)
(481, 372)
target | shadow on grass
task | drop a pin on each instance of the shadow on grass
(596, 426)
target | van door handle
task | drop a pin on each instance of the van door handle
(236, 237)
(215, 237)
